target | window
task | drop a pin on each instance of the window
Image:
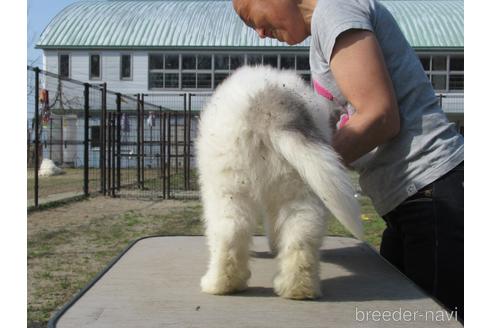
(189, 62)
(191, 71)
(204, 72)
(287, 61)
(303, 68)
(456, 73)
(188, 75)
(219, 77)
(171, 71)
(236, 61)
(196, 72)
(125, 67)
(221, 68)
(254, 59)
(425, 61)
(302, 63)
(156, 71)
(163, 71)
(156, 62)
(456, 82)
(188, 80)
(172, 61)
(445, 72)
(204, 80)
(156, 81)
(221, 62)
(95, 67)
(439, 82)
(171, 80)
(456, 63)
(439, 63)
(270, 60)
(204, 62)
(64, 65)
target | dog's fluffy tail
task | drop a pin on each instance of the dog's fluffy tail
(320, 167)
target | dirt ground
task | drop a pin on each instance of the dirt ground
(96, 207)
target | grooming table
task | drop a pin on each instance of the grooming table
(155, 282)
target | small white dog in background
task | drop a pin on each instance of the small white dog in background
(48, 168)
(264, 152)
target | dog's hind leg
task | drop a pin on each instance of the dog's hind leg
(229, 220)
(301, 230)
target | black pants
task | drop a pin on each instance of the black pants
(424, 239)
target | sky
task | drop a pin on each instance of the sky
(39, 14)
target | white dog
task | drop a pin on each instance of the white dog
(48, 168)
(264, 152)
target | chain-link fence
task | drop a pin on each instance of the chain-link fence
(93, 140)
(453, 105)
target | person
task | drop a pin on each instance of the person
(410, 159)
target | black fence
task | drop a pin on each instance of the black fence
(120, 145)
(101, 141)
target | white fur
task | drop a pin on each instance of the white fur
(264, 152)
(48, 168)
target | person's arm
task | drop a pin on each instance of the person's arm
(361, 74)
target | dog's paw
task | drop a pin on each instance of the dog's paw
(221, 284)
(297, 286)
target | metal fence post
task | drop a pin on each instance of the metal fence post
(106, 139)
(142, 131)
(102, 137)
(168, 155)
(118, 141)
(176, 148)
(36, 136)
(113, 155)
(162, 140)
(185, 141)
(188, 187)
(108, 152)
(138, 140)
(86, 139)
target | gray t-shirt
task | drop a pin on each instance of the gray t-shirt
(428, 146)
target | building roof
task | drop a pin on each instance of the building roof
(427, 24)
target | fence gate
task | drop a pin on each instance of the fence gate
(147, 148)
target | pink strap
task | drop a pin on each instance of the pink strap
(344, 118)
(322, 91)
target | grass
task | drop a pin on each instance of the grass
(73, 180)
(63, 258)
(55, 204)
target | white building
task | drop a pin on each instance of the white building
(192, 45)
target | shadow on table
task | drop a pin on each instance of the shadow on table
(369, 278)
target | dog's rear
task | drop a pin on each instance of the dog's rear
(259, 132)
